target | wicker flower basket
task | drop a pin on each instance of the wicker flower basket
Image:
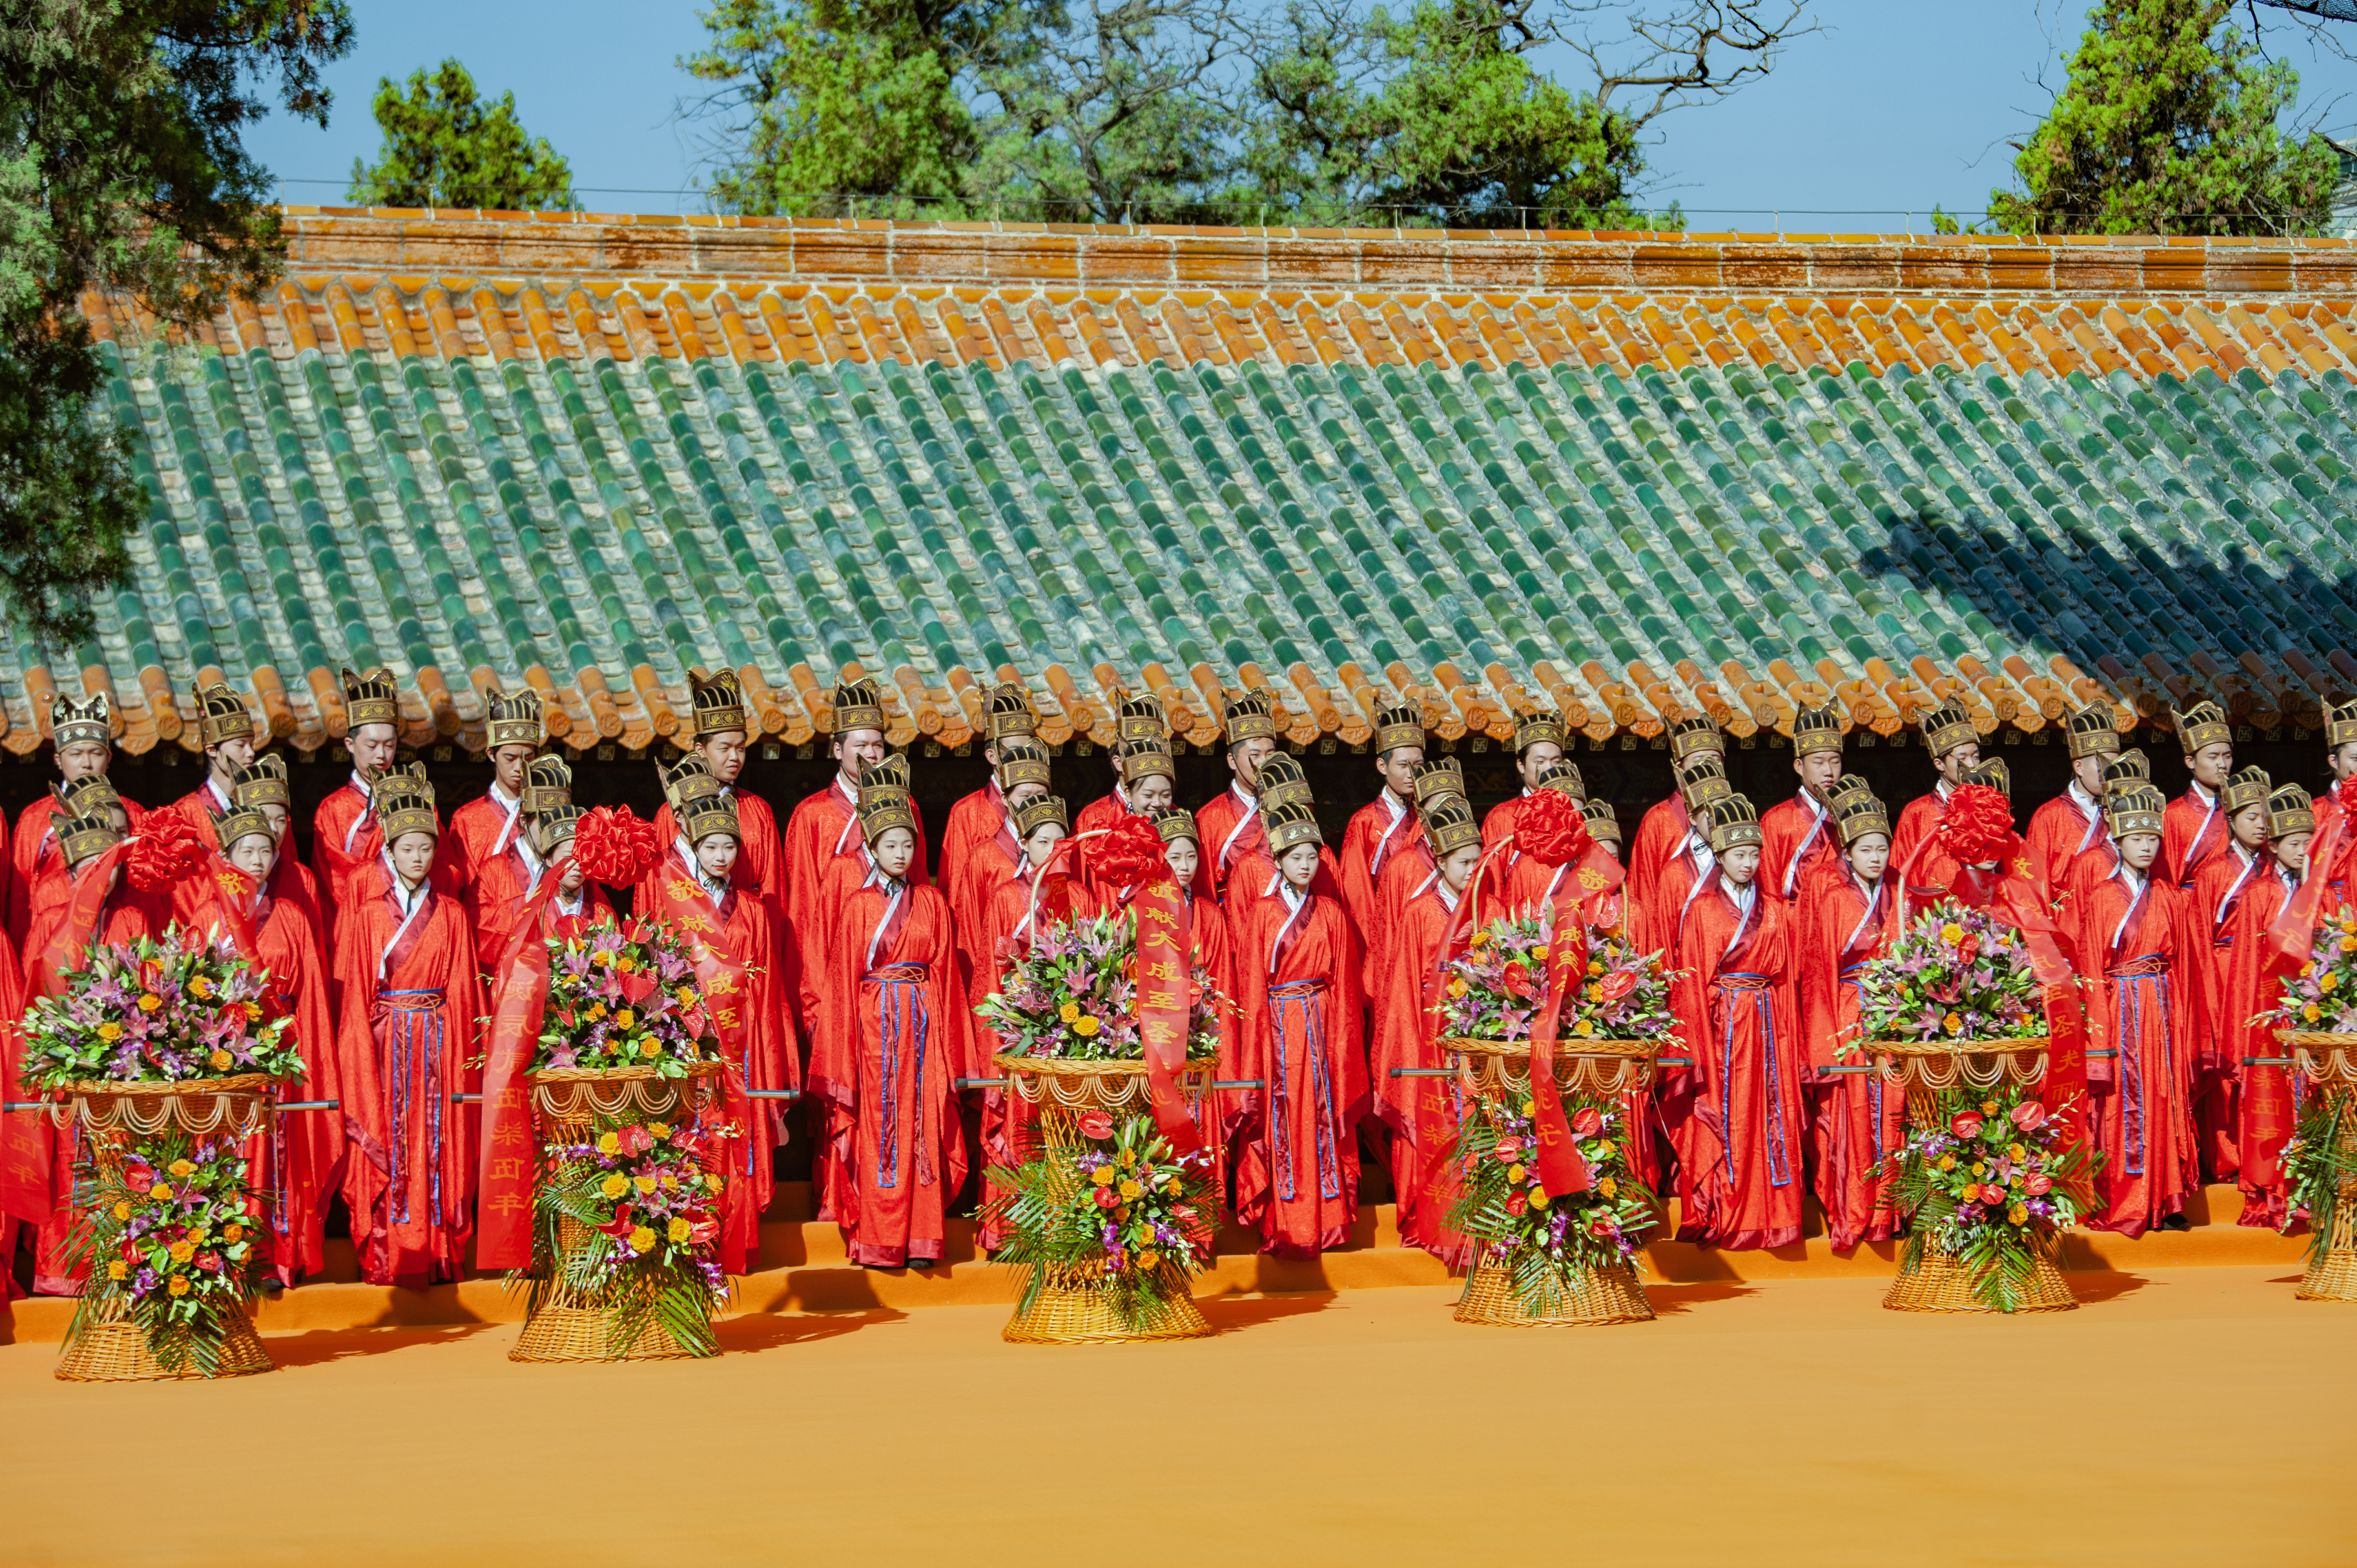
(570, 1324)
(105, 1345)
(1925, 1068)
(1074, 1306)
(2329, 1063)
(1501, 1070)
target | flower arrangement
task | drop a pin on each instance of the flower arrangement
(1074, 995)
(645, 1197)
(1549, 1247)
(1953, 973)
(1991, 1181)
(1496, 989)
(621, 996)
(2321, 999)
(153, 1011)
(171, 1234)
(1120, 1207)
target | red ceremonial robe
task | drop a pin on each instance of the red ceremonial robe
(36, 871)
(1210, 949)
(987, 865)
(974, 818)
(1379, 830)
(2267, 1097)
(2060, 832)
(1798, 844)
(822, 832)
(2192, 829)
(410, 1002)
(1104, 812)
(1661, 907)
(1007, 927)
(1735, 1115)
(201, 807)
(1661, 833)
(1858, 1120)
(1422, 1114)
(1297, 966)
(480, 832)
(1235, 851)
(2210, 1031)
(1498, 822)
(12, 1009)
(761, 867)
(892, 1033)
(2138, 1067)
(1919, 818)
(2337, 876)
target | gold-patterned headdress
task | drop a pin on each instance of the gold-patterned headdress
(404, 804)
(1733, 824)
(1946, 728)
(2290, 812)
(1021, 760)
(1603, 821)
(2251, 787)
(2340, 724)
(1146, 759)
(1250, 718)
(1703, 782)
(2203, 724)
(2129, 768)
(2137, 809)
(371, 699)
(1289, 825)
(858, 705)
(708, 815)
(720, 704)
(884, 799)
(1281, 781)
(263, 783)
(1040, 809)
(82, 838)
(1696, 736)
(687, 781)
(238, 823)
(1993, 772)
(1537, 729)
(91, 795)
(556, 826)
(2093, 734)
(1816, 729)
(1449, 826)
(1565, 778)
(78, 724)
(1010, 713)
(1858, 815)
(548, 784)
(515, 719)
(1141, 718)
(1399, 725)
(221, 715)
(1435, 777)
(1176, 822)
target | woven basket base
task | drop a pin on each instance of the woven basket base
(116, 1352)
(1944, 1284)
(1082, 1313)
(2333, 1277)
(578, 1334)
(1607, 1295)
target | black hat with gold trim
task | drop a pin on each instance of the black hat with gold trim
(553, 827)
(2126, 769)
(1010, 713)
(371, 699)
(1141, 718)
(1858, 815)
(241, 822)
(1993, 772)
(1040, 809)
(1733, 824)
(1021, 760)
(687, 781)
(2135, 809)
(221, 715)
(1703, 782)
(858, 705)
(403, 804)
(2340, 724)
(1438, 776)
(1449, 825)
(1146, 759)
(548, 784)
(1816, 729)
(719, 703)
(1250, 718)
(263, 782)
(1846, 786)
(1537, 729)
(1400, 724)
(1289, 825)
(884, 799)
(2203, 724)
(1564, 777)
(2093, 734)
(515, 719)
(92, 794)
(2290, 812)
(709, 814)
(1176, 822)
(1946, 728)
(1697, 734)
(86, 837)
(2251, 787)
(91, 720)
(1282, 782)
(1603, 821)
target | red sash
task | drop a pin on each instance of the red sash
(1561, 1170)
(680, 901)
(240, 906)
(503, 1208)
(1165, 997)
(85, 913)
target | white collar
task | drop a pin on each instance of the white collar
(2193, 787)
(220, 794)
(1392, 802)
(2086, 804)
(361, 785)
(1236, 788)
(405, 897)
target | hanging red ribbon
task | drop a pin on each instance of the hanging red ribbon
(503, 1202)
(1562, 1171)
(1163, 966)
(2292, 935)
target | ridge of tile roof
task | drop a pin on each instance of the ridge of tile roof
(1627, 476)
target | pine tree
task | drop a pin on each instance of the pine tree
(444, 147)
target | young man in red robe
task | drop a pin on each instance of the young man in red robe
(1679, 876)
(1148, 787)
(82, 741)
(1797, 839)
(510, 863)
(1856, 1120)
(2212, 1030)
(2195, 827)
(987, 862)
(1385, 824)
(2072, 823)
(2249, 988)
(1230, 822)
(892, 1033)
(345, 839)
(2140, 1071)
(1421, 1114)
(724, 728)
(1251, 864)
(483, 830)
(226, 728)
(2341, 756)
(1735, 1116)
(1298, 973)
(1954, 744)
(91, 796)
(1538, 745)
(1933, 869)
(410, 1006)
(1529, 885)
(1667, 825)
(1407, 865)
(730, 934)
(981, 816)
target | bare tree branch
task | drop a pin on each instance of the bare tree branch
(1684, 54)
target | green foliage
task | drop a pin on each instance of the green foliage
(2319, 1158)
(1550, 1246)
(1106, 1204)
(120, 166)
(2168, 125)
(444, 146)
(644, 1252)
(168, 1237)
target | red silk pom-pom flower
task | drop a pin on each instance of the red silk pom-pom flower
(1128, 854)
(616, 847)
(1978, 827)
(1549, 829)
(167, 849)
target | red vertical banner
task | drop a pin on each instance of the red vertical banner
(1165, 1000)
(503, 1202)
(1561, 1170)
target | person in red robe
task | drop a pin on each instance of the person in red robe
(265, 788)
(1679, 876)
(2195, 827)
(1665, 829)
(345, 839)
(1954, 744)
(1298, 968)
(1422, 1114)
(99, 908)
(1146, 787)
(1385, 824)
(1538, 745)
(1407, 865)
(986, 862)
(892, 1035)
(483, 830)
(91, 796)
(1856, 1120)
(724, 728)
(1734, 1117)
(981, 816)
(2140, 1071)
(1230, 822)
(2341, 756)
(1797, 835)
(296, 1165)
(2072, 823)
(1932, 871)
(730, 934)
(1044, 891)
(1530, 884)
(410, 1007)
(82, 741)
(1252, 862)
(506, 861)
(2207, 944)
(2267, 1101)
(226, 728)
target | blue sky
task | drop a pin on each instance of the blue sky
(1898, 104)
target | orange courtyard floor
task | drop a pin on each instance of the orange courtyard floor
(2184, 1416)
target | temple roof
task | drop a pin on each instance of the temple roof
(1628, 475)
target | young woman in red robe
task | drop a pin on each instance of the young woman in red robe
(1735, 1115)
(1857, 1119)
(1682, 871)
(1422, 1114)
(2129, 925)
(891, 1035)
(409, 1021)
(1147, 786)
(2207, 904)
(2266, 1104)
(1298, 965)
(81, 739)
